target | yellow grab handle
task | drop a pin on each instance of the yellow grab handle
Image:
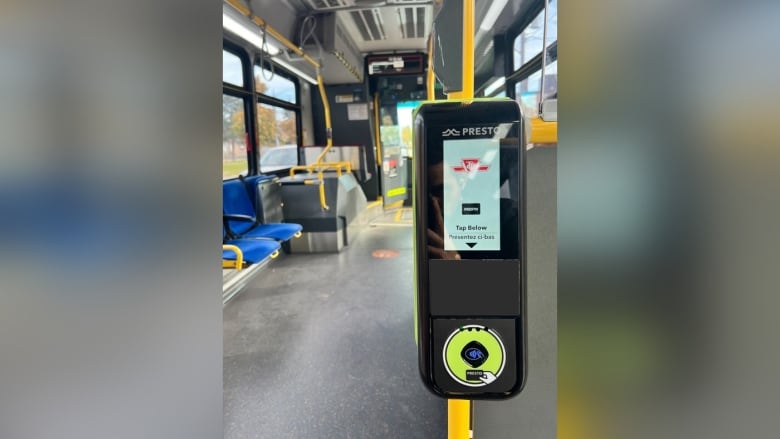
(238, 264)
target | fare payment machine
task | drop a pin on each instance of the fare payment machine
(469, 202)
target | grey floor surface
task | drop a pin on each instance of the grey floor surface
(322, 346)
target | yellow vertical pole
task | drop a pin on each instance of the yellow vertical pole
(377, 134)
(458, 419)
(431, 79)
(378, 138)
(458, 410)
(326, 107)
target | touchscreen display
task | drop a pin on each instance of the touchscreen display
(473, 187)
(471, 211)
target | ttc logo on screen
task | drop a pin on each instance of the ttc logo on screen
(470, 165)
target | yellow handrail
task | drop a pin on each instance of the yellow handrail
(318, 164)
(238, 264)
(339, 167)
(323, 203)
(320, 168)
(288, 44)
(543, 132)
(328, 127)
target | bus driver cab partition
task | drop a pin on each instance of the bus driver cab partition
(469, 203)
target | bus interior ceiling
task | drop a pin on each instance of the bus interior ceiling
(340, 33)
(321, 344)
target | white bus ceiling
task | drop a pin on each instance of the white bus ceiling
(370, 26)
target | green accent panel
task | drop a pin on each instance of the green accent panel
(414, 252)
(396, 191)
(458, 365)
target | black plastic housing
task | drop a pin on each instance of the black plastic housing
(482, 287)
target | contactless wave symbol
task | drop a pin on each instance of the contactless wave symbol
(450, 132)
(470, 165)
(474, 354)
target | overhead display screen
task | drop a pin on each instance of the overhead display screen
(394, 64)
(472, 210)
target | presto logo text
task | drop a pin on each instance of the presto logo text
(469, 131)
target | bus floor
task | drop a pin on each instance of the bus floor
(322, 346)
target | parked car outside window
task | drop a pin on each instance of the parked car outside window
(278, 157)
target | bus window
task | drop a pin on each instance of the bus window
(551, 80)
(529, 43)
(274, 85)
(527, 90)
(276, 128)
(234, 159)
(405, 124)
(232, 72)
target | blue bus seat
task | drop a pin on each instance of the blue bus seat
(241, 217)
(250, 184)
(276, 231)
(236, 202)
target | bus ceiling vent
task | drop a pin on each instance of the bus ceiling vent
(365, 3)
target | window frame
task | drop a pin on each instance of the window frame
(284, 74)
(250, 59)
(246, 124)
(245, 94)
(260, 98)
(238, 54)
(516, 31)
(533, 65)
